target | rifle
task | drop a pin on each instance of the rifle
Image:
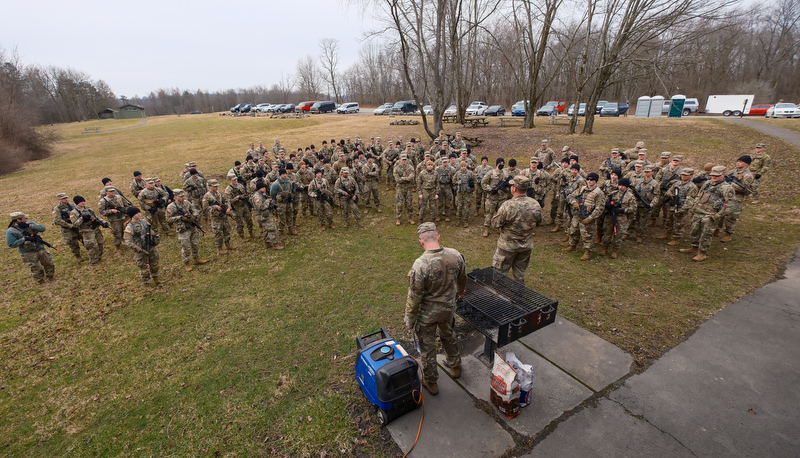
(65, 217)
(665, 183)
(126, 201)
(93, 221)
(747, 189)
(223, 209)
(566, 202)
(502, 186)
(581, 206)
(677, 199)
(350, 195)
(608, 165)
(641, 199)
(612, 208)
(191, 223)
(37, 238)
(147, 244)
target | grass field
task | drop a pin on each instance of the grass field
(252, 354)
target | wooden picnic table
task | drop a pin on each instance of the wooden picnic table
(512, 121)
(86, 130)
(476, 122)
(449, 118)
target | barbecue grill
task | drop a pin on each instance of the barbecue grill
(502, 309)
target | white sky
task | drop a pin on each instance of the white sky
(141, 46)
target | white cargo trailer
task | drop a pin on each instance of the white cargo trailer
(728, 105)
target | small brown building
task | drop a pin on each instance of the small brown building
(129, 111)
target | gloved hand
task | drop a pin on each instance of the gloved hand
(619, 211)
(22, 225)
(106, 225)
(586, 220)
(758, 176)
(30, 238)
(536, 180)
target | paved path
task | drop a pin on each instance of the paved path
(773, 131)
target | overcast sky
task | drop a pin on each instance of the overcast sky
(140, 46)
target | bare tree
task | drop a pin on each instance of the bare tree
(308, 77)
(329, 60)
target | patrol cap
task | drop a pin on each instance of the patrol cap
(62, 195)
(403, 156)
(565, 149)
(534, 159)
(615, 150)
(761, 145)
(213, 182)
(544, 142)
(347, 138)
(193, 164)
(592, 176)
(746, 158)
(458, 133)
(687, 172)
(409, 144)
(642, 151)
(186, 165)
(345, 170)
(275, 164)
(640, 144)
(521, 182)
(377, 138)
(427, 154)
(231, 176)
(19, 215)
(156, 179)
(677, 157)
(638, 163)
(106, 189)
(666, 155)
(648, 168)
(624, 182)
(426, 227)
(178, 192)
(150, 181)
(718, 170)
(252, 144)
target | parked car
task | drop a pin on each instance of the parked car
(323, 107)
(235, 108)
(245, 108)
(614, 109)
(428, 110)
(783, 110)
(272, 108)
(495, 110)
(452, 110)
(477, 108)
(518, 109)
(305, 106)
(760, 109)
(195, 112)
(600, 106)
(287, 108)
(404, 107)
(581, 109)
(549, 109)
(350, 107)
(386, 108)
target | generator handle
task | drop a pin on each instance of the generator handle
(360, 340)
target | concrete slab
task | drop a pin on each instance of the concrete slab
(606, 430)
(590, 359)
(451, 427)
(554, 391)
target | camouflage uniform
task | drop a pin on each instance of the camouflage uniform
(539, 182)
(89, 225)
(116, 220)
(480, 194)
(686, 196)
(428, 188)
(305, 175)
(153, 205)
(647, 189)
(297, 194)
(34, 255)
(70, 234)
(404, 197)
(261, 205)
(219, 219)
(745, 177)
(347, 188)
(182, 215)
(445, 175)
(435, 280)
(582, 227)
(196, 187)
(666, 177)
(464, 185)
(281, 193)
(614, 227)
(712, 205)
(137, 184)
(135, 233)
(571, 184)
(319, 191)
(516, 219)
(759, 166)
(390, 157)
(547, 156)
(611, 164)
(241, 206)
(489, 183)
(371, 173)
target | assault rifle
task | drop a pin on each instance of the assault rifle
(641, 199)
(147, 244)
(31, 236)
(612, 208)
(223, 209)
(676, 200)
(502, 186)
(665, 183)
(95, 224)
(581, 206)
(192, 222)
(747, 189)
(65, 217)
(607, 164)
(351, 196)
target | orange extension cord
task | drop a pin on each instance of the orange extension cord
(421, 400)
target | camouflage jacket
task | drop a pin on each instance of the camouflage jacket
(135, 236)
(546, 157)
(86, 219)
(464, 181)
(155, 197)
(626, 201)
(346, 186)
(760, 163)
(592, 201)
(371, 172)
(61, 216)
(428, 181)
(237, 195)
(319, 186)
(404, 175)
(647, 189)
(686, 195)
(516, 219)
(195, 187)
(136, 187)
(714, 199)
(176, 212)
(610, 164)
(435, 281)
(539, 181)
(746, 178)
(107, 204)
(445, 177)
(261, 205)
(210, 202)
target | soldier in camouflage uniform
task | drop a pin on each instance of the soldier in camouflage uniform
(184, 215)
(571, 183)
(684, 194)
(297, 192)
(261, 151)
(587, 203)
(154, 202)
(347, 189)
(113, 208)
(196, 187)
(559, 176)
(390, 157)
(371, 172)
(137, 237)
(84, 218)
(743, 175)
(23, 236)
(428, 188)
(137, 184)
(666, 173)
(480, 194)
(619, 206)
(248, 171)
(217, 207)
(320, 192)
(646, 187)
(305, 175)
(262, 205)
(445, 175)
(614, 162)
(404, 197)
(516, 219)
(464, 185)
(435, 281)
(251, 151)
(759, 166)
(240, 203)
(546, 155)
(490, 184)
(712, 205)
(641, 156)
(458, 143)
(281, 194)
(69, 232)
(633, 153)
(539, 180)
(278, 148)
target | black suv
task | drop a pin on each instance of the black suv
(323, 107)
(406, 106)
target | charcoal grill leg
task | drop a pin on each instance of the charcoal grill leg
(489, 347)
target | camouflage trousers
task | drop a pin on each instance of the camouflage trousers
(428, 202)
(556, 205)
(579, 232)
(610, 236)
(390, 175)
(243, 217)
(307, 204)
(669, 217)
(324, 212)
(658, 208)
(268, 228)
(404, 199)
(370, 193)
(492, 204)
(117, 228)
(198, 203)
(504, 260)
(189, 240)
(349, 206)
(426, 333)
(680, 220)
(283, 212)
(638, 228)
(445, 200)
(464, 205)
(41, 264)
(297, 200)
(73, 241)
(148, 265)
(703, 227)
(729, 222)
(480, 197)
(222, 230)
(159, 217)
(93, 241)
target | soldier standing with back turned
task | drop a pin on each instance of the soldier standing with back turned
(516, 219)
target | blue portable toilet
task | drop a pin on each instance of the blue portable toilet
(676, 109)
(643, 106)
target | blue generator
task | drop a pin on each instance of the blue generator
(388, 376)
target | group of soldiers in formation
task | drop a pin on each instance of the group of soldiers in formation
(627, 196)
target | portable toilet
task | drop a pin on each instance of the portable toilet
(676, 109)
(656, 103)
(643, 106)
